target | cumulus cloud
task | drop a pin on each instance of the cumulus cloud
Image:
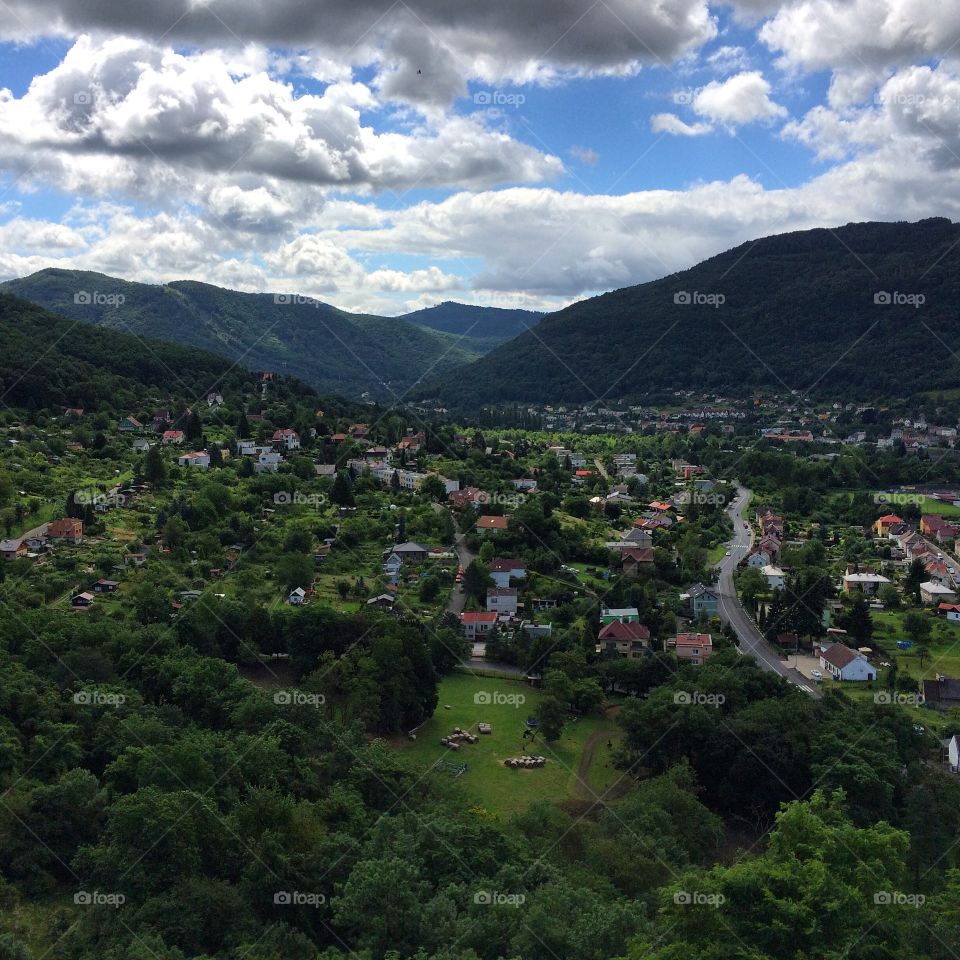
(121, 115)
(741, 99)
(493, 41)
(671, 123)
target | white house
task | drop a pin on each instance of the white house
(843, 663)
(268, 462)
(776, 578)
(477, 624)
(759, 557)
(287, 438)
(502, 601)
(196, 458)
(297, 597)
(503, 571)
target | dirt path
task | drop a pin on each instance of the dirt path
(581, 788)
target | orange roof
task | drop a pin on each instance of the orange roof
(889, 519)
(492, 523)
(478, 617)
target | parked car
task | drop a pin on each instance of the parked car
(817, 676)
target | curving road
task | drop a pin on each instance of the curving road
(732, 610)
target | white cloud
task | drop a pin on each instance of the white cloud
(741, 99)
(671, 123)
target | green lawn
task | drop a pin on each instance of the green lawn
(487, 781)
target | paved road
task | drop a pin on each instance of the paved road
(458, 600)
(732, 611)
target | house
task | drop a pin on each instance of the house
(525, 485)
(268, 462)
(410, 552)
(325, 469)
(82, 600)
(623, 614)
(933, 592)
(492, 525)
(173, 437)
(141, 445)
(129, 425)
(950, 610)
(638, 538)
(106, 586)
(937, 527)
(73, 412)
(392, 564)
(694, 648)
(384, 600)
(634, 560)
(776, 578)
(12, 549)
(503, 571)
(502, 601)
(941, 693)
(286, 438)
(882, 526)
(66, 530)
(472, 496)
(704, 601)
(865, 582)
(759, 557)
(623, 639)
(298, 597)
(477, 624)
(196, 458)
(214, 399)
(843, 663)
(136, 559)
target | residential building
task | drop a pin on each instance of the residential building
(172, 437)
(942, 693)
(12, 549)
(66, 530)
(491, 525)
(863, 582)
(694, 648)
(286, 438)
(704, 601)
(934, 592)
(476, 624)
(844, 663)
(503, 571)
(502, 601)
(195, 458)
(621, 614)
(623, 639)
(776, 578)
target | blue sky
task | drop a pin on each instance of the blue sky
(388, 161)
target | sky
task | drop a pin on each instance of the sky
(386, 156)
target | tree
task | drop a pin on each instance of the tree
(194, 427)
(295, 570)
(919, 629)
(243, 425)
(551, 716)
(476, 581)
(433, 488)
(857, 621)
(341, 493)
(155, 467)
(751, 584)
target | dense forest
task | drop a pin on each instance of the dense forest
(869, 309)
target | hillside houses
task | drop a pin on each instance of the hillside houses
(623, 639)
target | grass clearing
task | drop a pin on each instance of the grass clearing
(491, 784)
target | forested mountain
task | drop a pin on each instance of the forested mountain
(330, 349)
(868, 309)
(482, 327)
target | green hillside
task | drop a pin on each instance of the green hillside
(796, 312)
(334, 351)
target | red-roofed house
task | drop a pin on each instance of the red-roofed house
(476, 624)
(950, 610)
(636, 559)
(66, 529)
(695, 648)
(286, 438)
(623, 639)
(172, 436)
(491, 524)
(884, 523)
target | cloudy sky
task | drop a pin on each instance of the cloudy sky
(388, 155)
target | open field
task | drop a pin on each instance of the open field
(487, 780)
